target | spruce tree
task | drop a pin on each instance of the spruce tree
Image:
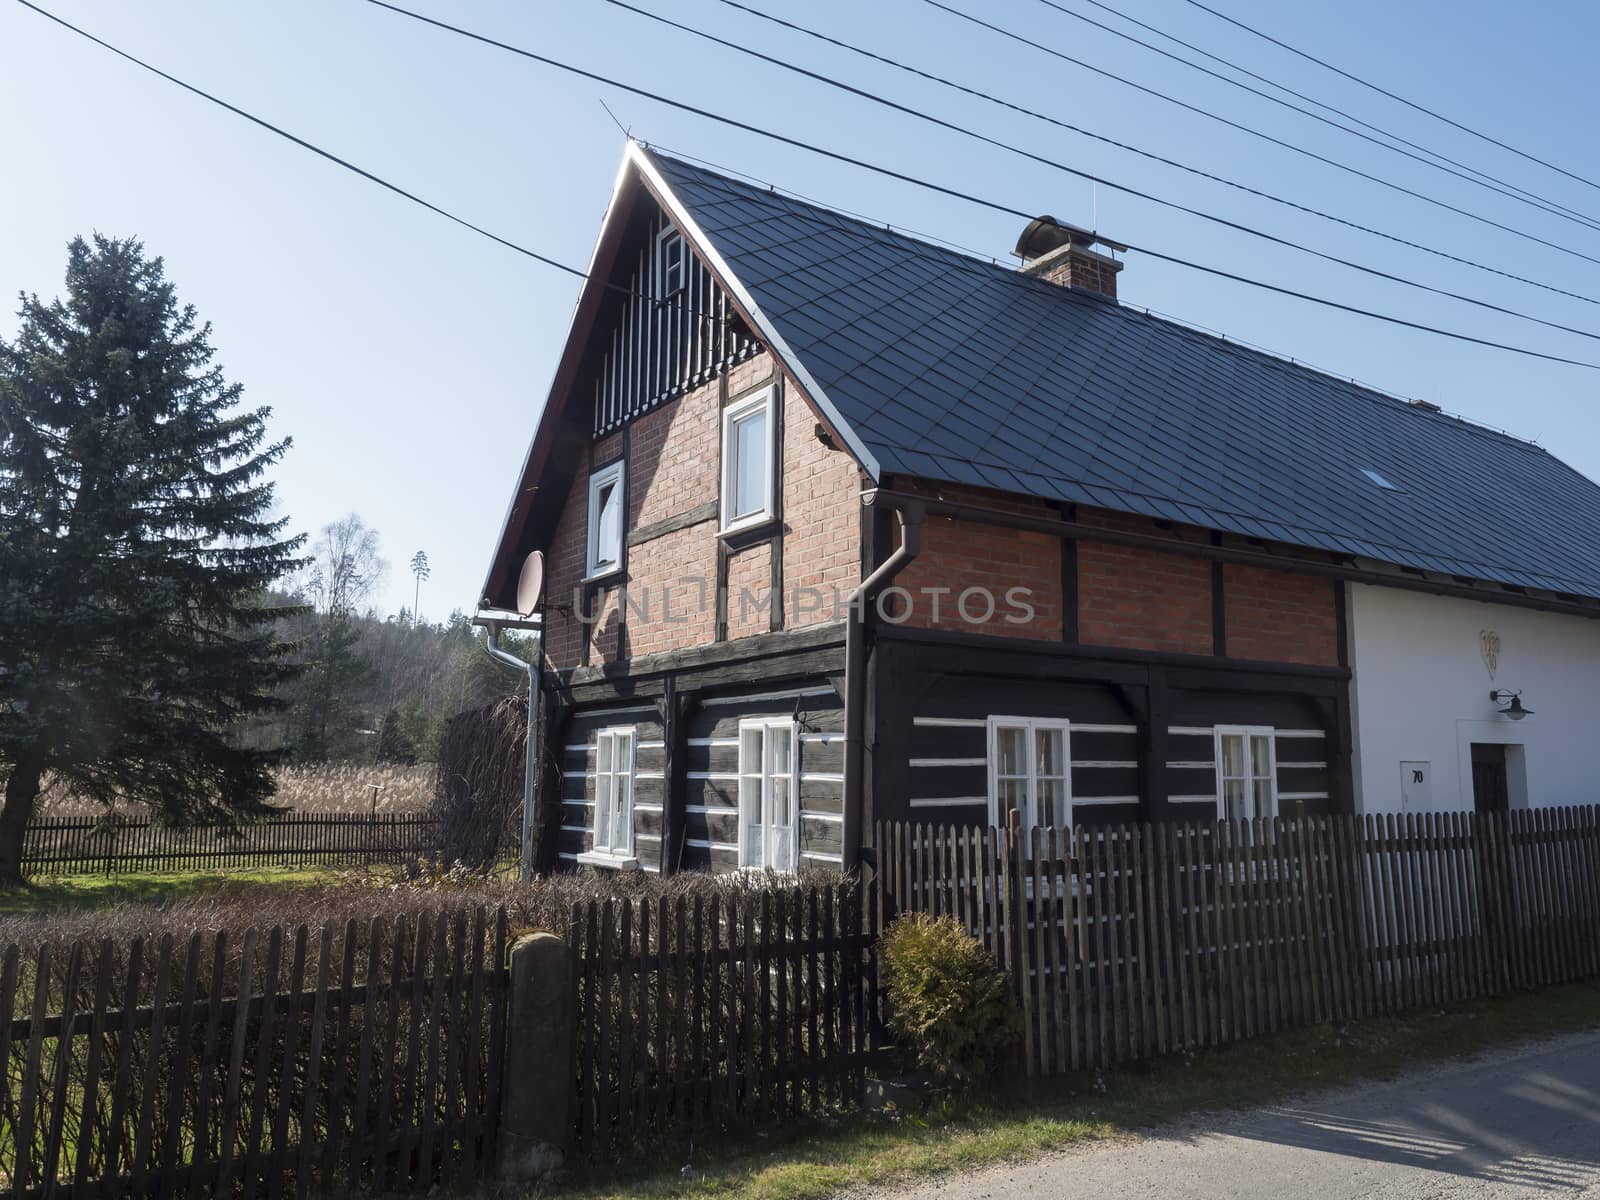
(136, 548)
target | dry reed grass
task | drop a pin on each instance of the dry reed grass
(544, 904)
(324, 788)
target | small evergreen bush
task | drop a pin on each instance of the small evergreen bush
(946, 1000)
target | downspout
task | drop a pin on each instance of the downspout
(910, 514)
(494, 622)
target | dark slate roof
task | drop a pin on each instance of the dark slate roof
(957, 369)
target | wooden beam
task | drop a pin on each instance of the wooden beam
(1069, 591)
(558, 716)
(775, 552)
(1029, 658)
(760, 645)
(689, 517)
(675, 706)
(748, 669)
(1153, 740)
(1219, 604)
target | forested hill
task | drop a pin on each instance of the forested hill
(378, 689)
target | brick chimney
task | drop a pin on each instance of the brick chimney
(1065, 255)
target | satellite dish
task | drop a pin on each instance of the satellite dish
(530, 583)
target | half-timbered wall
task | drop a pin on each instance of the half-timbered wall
(683, 584)
(974, 577)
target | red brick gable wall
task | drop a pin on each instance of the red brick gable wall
(822, 521)
(564, 560)
(674, 468)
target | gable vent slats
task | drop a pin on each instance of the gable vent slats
(659, 349)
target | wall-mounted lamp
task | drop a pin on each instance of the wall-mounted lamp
(1514, 708)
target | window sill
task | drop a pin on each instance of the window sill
(604, 574)
(610, 862)
(748, 525)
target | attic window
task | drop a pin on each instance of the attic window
(1381, 481)
(672, 263)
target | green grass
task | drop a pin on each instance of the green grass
(801, 1160)
(79, 892)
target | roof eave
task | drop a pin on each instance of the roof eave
(768, 332)
(572, 350)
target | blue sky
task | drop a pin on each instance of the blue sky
(409, 358)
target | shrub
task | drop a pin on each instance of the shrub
(945, 997)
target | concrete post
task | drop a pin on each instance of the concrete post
(538, 1064)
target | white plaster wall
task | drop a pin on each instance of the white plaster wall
(1421, 694)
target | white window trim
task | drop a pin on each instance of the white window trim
(1032, 724)
(668, 234)
(614, 855)
(766, 724)
(1247, 732)
(612, 473)
(765, 398)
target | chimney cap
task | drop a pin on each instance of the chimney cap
(1045, 234)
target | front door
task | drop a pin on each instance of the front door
(1489, 790)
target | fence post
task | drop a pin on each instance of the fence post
(539, 1072)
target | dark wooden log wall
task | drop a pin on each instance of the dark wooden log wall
(1142, 725)
(711, 813)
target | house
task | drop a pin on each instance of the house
(841, 525)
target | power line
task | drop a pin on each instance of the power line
(1472, 175)
(1282, 87)
(1147, 154)
(954, 193)
(347, 164)
(1266, 137)
(1226, 223)
(305, 145)
(1437, 116)
(782, 139)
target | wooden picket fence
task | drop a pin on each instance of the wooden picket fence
(748, 1006)
(362, 1057)
(1126, 941)
(110, 845)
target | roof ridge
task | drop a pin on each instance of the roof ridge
(1273, 358)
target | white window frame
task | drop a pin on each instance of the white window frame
(763, 776)
(597, 567)
(611, 829)
(664, 239)
(1032, 725)
(764, 400)
(1247, 732)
